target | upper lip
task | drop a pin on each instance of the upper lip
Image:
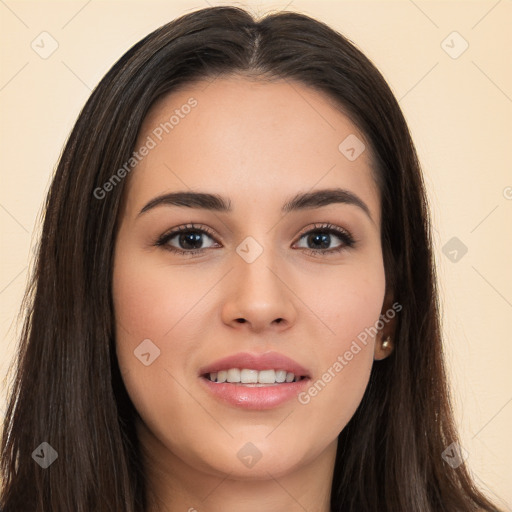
(266, 361)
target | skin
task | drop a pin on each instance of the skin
(257, 144)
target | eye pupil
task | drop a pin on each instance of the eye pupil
(190, 238)
(323, 239)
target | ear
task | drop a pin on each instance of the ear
(384, 341)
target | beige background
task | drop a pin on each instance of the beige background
(459, 111)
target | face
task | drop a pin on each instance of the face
(293, 286)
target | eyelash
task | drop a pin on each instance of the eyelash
(346, 238)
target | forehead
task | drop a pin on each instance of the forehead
(251, 139)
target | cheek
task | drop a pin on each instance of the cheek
(150, 306)
(334, 394)
(350, 310)
(145, 302)
(152, 300)
(346, 302)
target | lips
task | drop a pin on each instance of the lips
(249, 395)
(245, 360)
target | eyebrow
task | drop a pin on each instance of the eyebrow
(301, 201)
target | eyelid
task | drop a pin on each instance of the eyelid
(189, 227)
(324, 226)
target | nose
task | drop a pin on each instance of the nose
(259, 297)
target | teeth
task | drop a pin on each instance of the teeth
(234, 375)
(248, 376)
(267, 377)
(281, 375)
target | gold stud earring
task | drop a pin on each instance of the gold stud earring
(386, 343)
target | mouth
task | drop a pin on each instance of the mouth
(254, 381)
(270, 368)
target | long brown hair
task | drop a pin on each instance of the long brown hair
(67, 389)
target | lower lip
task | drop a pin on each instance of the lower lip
(259, 398)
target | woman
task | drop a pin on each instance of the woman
(235, 305)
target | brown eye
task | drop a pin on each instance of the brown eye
(321, 239)
(185, 240)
